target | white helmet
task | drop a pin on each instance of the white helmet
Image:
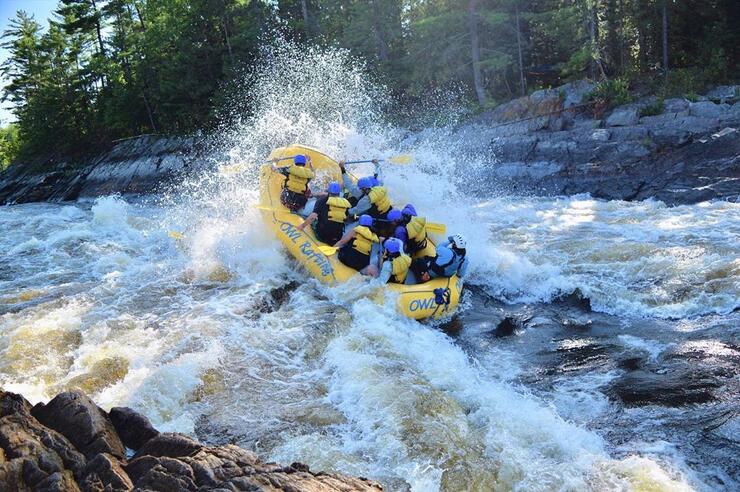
(458, 240)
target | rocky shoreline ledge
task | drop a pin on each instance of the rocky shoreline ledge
(70, 444)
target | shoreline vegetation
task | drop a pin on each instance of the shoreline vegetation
(104, 70)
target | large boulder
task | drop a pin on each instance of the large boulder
(75, 415)
(133, 428)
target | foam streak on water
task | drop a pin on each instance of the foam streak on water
(221, 336)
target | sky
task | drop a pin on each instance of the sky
(41, 9)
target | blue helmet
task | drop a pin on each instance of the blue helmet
(366, 182)
(366, 220)
(299, 160)
(392, 246)
(409, 210)
(374, 181)
(394, 215)
(334, 188)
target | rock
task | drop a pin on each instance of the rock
(676, 106)
(74, 415)
(574, 93)
(623, 116)
(34, 457)
(104, 472)
(600, 135)
(724, 94)
(133, 428)
(507, 327)
(707, 109)
(169, 444)
(673, 389)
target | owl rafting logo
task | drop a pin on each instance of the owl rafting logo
(307, 249)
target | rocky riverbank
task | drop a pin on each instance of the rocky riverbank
(134, 166)
(676, 151)
(70, 444)
(548, 143)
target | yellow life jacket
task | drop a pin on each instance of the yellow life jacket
(379, 197)
(417, 229)
(400, 268)
(338, 208)
(298, 178)
(364, 239)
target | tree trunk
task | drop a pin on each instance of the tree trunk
(475, 51)
(593, 34)
(97, 28)
(379, 32)
(522, 81)
(665, 37)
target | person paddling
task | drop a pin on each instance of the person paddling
(329, 215)
(412, 229)
(296, 192)
(396, 263)
(356, 247)
(450, 259)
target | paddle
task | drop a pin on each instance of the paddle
(237, 168)
(432, 227)
(401, 159)
(176, 235)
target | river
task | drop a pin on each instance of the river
(616, 367)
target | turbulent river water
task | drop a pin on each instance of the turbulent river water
(615, 367)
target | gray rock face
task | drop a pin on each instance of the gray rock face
(35, 457)
(134, 166)
(623, 116)
(687, 154)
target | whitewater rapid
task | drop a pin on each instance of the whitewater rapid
(99, 296)
(220, 335)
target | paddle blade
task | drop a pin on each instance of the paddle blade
(327, 250)
(436, 228)
(402, 159)
(176, 235)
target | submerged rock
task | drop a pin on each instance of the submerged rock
(672, 389)
(61, 446)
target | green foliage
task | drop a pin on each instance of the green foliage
(612, 92)
(9, 145)
(108, 69)
(653, 109)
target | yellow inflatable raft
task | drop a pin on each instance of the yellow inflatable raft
(415, 301)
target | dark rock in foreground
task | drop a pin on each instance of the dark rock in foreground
(70, 444)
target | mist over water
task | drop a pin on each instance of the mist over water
(220, 335)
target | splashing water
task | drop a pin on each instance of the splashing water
(221, 336)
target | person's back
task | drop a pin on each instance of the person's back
(415, 231)
(451, 258)
(332, 213)
(295, 188)
(356, 246)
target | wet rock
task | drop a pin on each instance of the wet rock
(674, 388)
(74, 415)
(133, 428)
(169, 444)
(631, 363)
(507, 327)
